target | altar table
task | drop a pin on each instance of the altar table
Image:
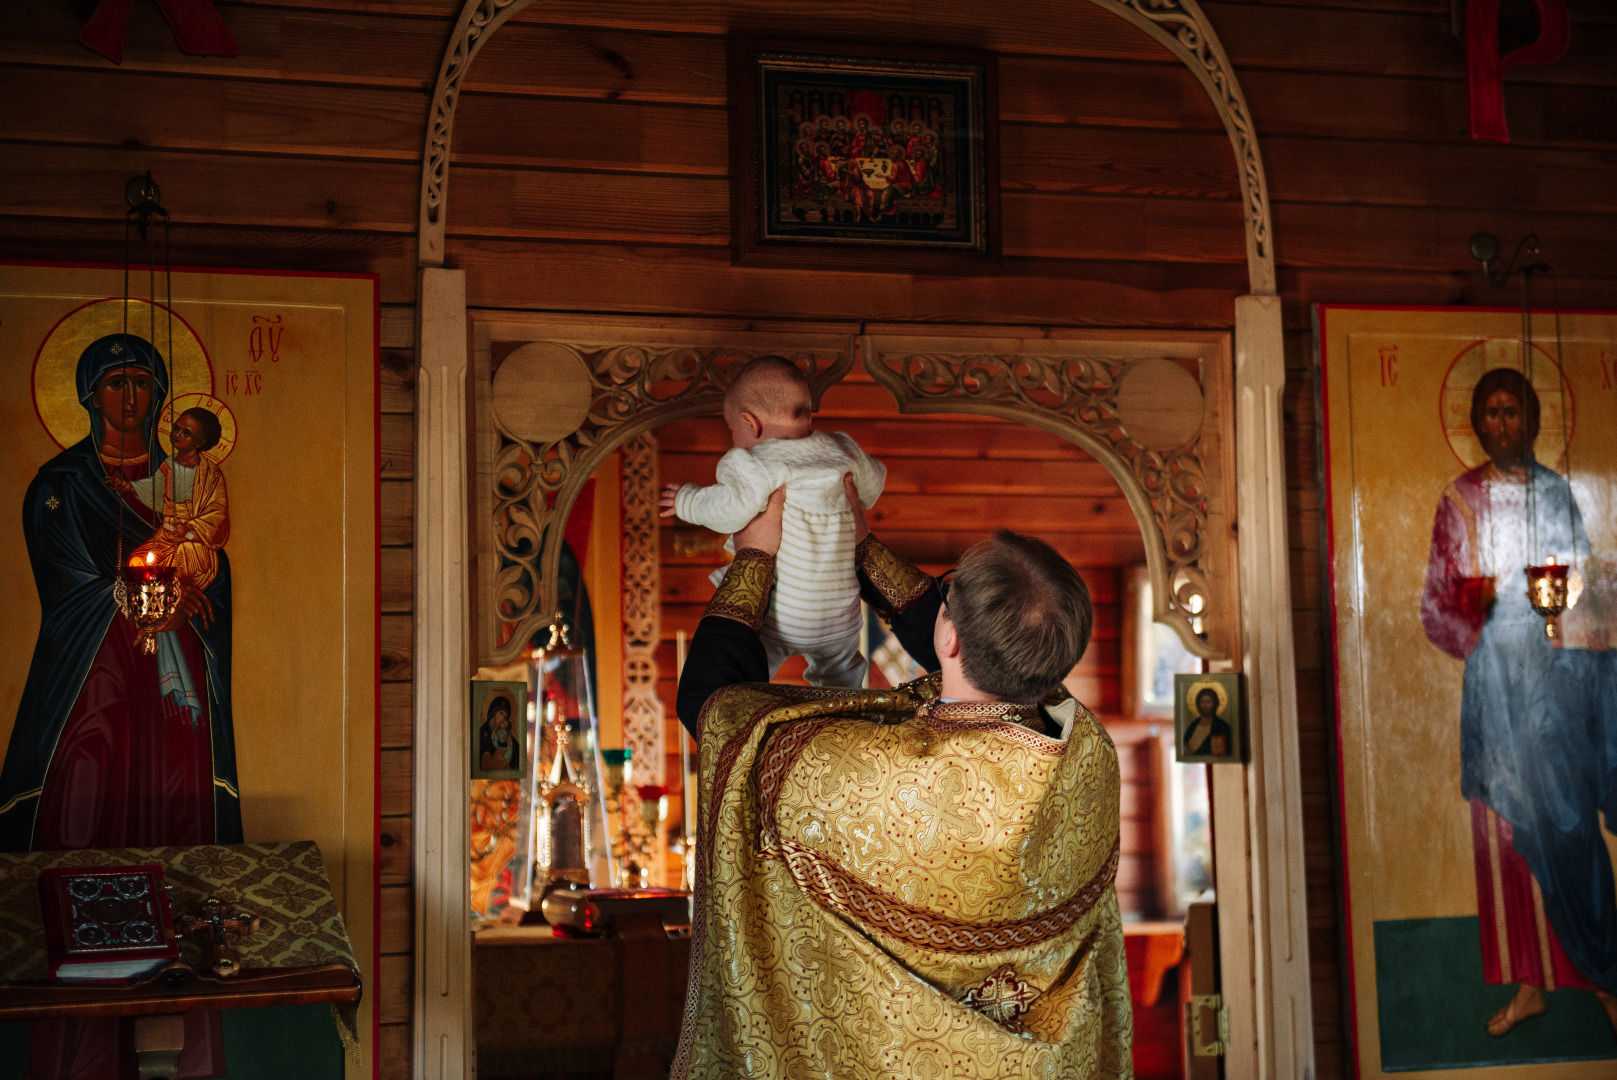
(300, 953)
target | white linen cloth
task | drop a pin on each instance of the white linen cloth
(814, 611)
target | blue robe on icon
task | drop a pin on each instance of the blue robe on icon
(71, 517)
(1532, 743)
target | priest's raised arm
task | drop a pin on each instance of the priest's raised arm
(915, 881)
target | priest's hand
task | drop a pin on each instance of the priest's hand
(762, 533)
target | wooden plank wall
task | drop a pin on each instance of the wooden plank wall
(397, 714)
(590, 176)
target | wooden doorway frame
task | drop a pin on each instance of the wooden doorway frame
(1263, 912)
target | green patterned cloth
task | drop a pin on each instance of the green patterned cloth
(284, 884)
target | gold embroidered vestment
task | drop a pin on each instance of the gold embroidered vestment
(893, 887)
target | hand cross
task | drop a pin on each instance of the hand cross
(214, 920)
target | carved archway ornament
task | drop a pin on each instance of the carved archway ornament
(1173, 475)
(642, 609)
(634, 381)
(645, 375)
(1179, 25)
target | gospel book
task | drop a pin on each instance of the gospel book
(106, 922)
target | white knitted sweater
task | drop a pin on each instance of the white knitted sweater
(815, 607)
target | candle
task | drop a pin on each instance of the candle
(146, 568)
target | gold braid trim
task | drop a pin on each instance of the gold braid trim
(898, 585)
(848, 895)
(744, 593)
(1020, 723)
(780, 753)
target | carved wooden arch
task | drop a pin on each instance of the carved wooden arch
(1179, 25)
(1179, 494)
(1261, 876)
(637, 376)
(632, 389)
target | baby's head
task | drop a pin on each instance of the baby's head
(768, 399)
(196, 431)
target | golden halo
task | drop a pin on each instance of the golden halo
(1195, 689)
(1481, 357)
(227, 424)
(56, 397)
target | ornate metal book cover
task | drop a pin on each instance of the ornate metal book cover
(106, 922)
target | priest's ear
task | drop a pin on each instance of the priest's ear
(945, 638)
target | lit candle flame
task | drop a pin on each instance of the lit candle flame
(151, 557)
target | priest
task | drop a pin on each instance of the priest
(906, 882)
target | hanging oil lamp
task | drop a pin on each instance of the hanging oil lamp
(145, 591)
(1552, 588)
(148, 594)
(1547, 592)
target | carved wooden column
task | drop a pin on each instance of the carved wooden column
(642, 614)
(642, 631)
(1273, 790)
(443, 938)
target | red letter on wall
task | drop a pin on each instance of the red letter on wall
(1485, 68)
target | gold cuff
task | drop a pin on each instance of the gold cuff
(898, 585)
(744, 593)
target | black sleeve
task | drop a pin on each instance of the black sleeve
(913, 628)
(723, 652)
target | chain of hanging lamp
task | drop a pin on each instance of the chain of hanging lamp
(155, 597)
(1548, 585)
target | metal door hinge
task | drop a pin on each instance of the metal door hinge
(1198, 1006)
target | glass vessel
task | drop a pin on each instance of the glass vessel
(567, 811)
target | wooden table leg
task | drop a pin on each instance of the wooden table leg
(648, 1024)
(158, 1042)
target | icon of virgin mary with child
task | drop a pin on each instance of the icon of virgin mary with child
(114, 747)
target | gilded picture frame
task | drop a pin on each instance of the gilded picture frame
(499, 747)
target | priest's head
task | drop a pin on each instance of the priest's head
(1015, 619)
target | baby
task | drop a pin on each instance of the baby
(191, 487)
(815, 608)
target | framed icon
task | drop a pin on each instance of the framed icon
(864, 157)
(1207, 718)
(1465, 451)
(499, 730)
